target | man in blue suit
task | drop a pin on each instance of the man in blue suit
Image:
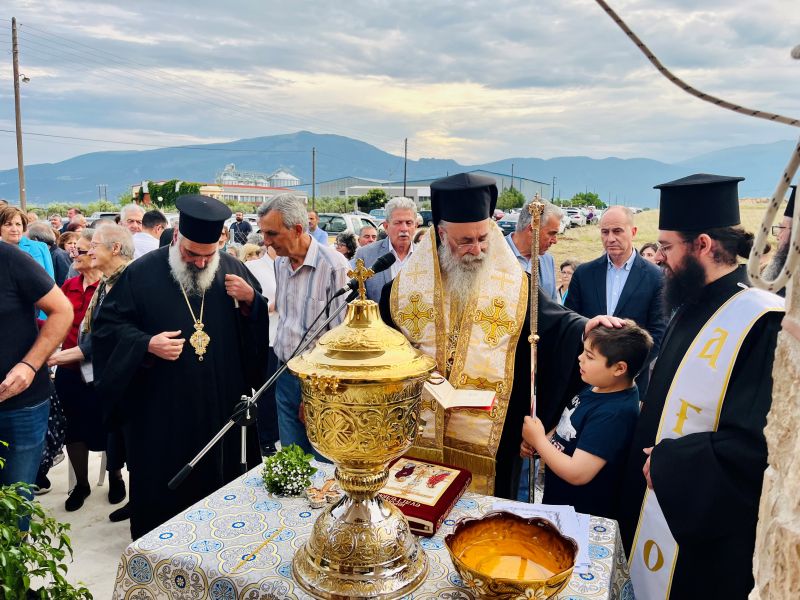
(400, 223)
(621, 283)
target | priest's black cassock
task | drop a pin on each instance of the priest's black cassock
(708, 483)
(561, 334)
(170, 409)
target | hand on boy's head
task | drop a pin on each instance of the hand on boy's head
(533, 432)
(605, 321)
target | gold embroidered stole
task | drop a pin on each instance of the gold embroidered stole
(473, 346)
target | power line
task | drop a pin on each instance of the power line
(254, 106)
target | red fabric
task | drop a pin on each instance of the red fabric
(80, 299)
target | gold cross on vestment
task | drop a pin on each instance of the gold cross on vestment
(416, 315)
(503, 279)
(414, 274)
(495, 323)
(361, 274)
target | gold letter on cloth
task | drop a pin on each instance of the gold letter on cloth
(653, 565)
(713, 347)
(682, 415)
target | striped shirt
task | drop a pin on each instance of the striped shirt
(303, 293)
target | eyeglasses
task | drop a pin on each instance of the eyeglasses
(776, 229)
(467, 245)
(665, 248)
(78, 252)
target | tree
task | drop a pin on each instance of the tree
(510, 198)
(374, 198)
(164, 195)
(587, 199)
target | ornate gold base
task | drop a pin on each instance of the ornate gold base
(360, 549)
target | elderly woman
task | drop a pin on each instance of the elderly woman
(346, 244)
(251, 252)
(13, 224)
(106, 252)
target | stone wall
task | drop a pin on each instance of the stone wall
(777, 557)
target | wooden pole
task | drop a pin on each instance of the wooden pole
(536, 209)
(405, 167)
(314, 179)
(18, 115)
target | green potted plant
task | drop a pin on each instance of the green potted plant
(36, 556)
(288, 472)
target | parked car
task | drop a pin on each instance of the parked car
(96, 216)
(576, 217)
(378, 214)
(427, 217)
(508, 223)
(335, 223)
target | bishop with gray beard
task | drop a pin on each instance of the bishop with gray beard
(180, 338)
(467, 257)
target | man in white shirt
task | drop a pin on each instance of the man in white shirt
(153, 224)
(263, 269)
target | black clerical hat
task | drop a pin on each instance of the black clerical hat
(789, 212)
(699, 202)
(202, 218)
(463, 198)
(165, 239)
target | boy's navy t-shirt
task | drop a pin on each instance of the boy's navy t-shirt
(600, 424)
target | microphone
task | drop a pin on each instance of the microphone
(383, 263)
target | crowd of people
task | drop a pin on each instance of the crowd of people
(653, 367)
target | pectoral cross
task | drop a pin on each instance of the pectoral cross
(361, 274)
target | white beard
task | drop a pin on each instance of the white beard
(193, 280)
(461, 275)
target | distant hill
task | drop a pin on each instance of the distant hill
(628, 181)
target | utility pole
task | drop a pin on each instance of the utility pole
(405, 167)
(314, 179)
(553, 190)
(512, 176)
(18, 114)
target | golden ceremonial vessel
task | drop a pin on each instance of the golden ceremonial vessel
(361, 388)
(505, 556)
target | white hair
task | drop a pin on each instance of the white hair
(399, 203)
(115, 234)
(461, 274)
(123, 213)
(194, 280)
(291, 208)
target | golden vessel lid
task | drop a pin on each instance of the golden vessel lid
(363, 349)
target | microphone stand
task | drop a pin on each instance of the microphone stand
(242, 414)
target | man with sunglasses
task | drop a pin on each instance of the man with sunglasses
(690, 495)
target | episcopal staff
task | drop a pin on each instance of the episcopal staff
(691, 491)
(181, 336)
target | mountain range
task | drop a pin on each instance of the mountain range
(615, 180)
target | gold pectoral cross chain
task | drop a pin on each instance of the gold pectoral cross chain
(199, 340)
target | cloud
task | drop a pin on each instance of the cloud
(469, 81)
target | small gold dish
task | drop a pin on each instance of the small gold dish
(505, 556)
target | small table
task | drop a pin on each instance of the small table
(238, 544)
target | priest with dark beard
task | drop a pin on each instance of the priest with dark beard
(180, 338)
(462, 298)
(783, 232)
(690, 496)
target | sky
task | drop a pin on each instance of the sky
(471, 80)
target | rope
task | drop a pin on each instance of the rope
(760, 243)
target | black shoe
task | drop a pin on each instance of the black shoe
(76, 497)
(116, 490)
(42, 485)
(121, 514)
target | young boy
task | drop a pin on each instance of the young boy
(586, 454)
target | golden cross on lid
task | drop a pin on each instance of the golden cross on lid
(361, 274)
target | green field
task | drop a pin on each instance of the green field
(583, 243)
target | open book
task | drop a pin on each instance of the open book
(450, 397)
